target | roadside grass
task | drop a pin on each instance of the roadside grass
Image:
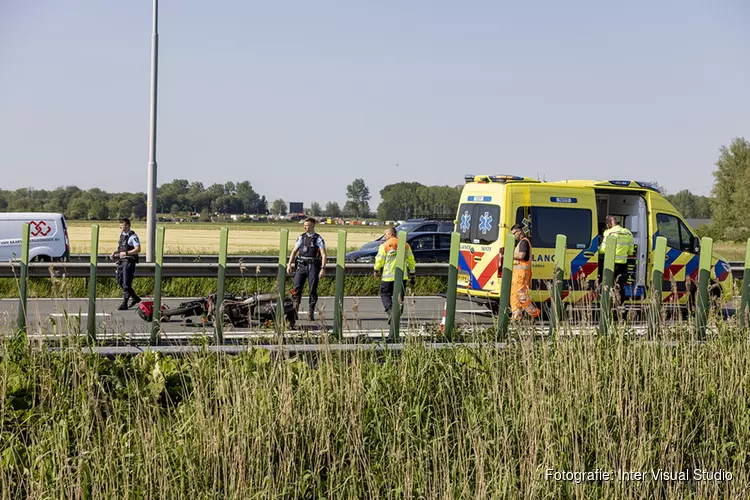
(455, 423)
(200, 287)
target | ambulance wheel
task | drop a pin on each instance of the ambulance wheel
(493, 305)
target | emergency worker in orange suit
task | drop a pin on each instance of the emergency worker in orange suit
(521, 284)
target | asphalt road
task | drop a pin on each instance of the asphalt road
(362, 316)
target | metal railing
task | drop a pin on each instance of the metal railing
(263, 268)
(277, 267)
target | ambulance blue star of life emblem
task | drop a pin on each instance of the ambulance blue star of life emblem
(485, 223)
(465, 221)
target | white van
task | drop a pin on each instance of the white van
(48, 236)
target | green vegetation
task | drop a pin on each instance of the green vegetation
(201, 287)
(453, 423)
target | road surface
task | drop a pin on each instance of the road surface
(362, 316)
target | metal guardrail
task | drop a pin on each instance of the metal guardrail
(189, 270)
(193, 258)
(202, 269)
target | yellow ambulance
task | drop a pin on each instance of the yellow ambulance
(491, 204)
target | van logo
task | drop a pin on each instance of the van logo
(485, 223)
(39, 228)
(465, 221)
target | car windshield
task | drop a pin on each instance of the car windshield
(406, 226)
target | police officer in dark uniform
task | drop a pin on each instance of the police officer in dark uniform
(126, 254)
(309, 257)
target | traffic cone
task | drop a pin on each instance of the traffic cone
(442, 322)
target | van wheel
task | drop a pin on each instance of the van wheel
(42, 258)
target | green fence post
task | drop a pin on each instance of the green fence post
(505, 287)
(281, 278)
(338, 304)
(398, 287)
(218, 312)
(91, 323)
(156, 318)
(24, 278)
(608, 283)
(704, 276)
(450, 306)
(745, 288)
(657, 282)
(557, 283)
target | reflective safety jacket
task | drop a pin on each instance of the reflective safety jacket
(624, 246)
(386, 260)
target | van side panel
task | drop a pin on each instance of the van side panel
(561, 210)
(682, 264)
(46, 236)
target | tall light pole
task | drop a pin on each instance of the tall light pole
(151, 197)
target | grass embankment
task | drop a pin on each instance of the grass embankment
(454, 423)
(201, 287)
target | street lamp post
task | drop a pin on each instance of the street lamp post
(151, 196)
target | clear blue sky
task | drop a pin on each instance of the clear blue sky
(300, 98)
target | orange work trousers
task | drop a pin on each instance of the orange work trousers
(519, 292)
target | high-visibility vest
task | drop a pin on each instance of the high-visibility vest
(625, 245)
(523, 264)
(386, 260)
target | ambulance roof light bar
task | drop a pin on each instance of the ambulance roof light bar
(496, 178)
(643, 184)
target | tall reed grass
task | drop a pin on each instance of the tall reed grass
(454, 423)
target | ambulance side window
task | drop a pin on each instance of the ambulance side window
(677, 234)
(547, 222)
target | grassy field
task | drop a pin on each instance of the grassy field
(203, 238)
(730, 250)
(456, 423)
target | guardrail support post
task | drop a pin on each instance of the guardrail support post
(450, 307)
(24, 278)
(156, 318)
(91, 323)
(281, 278)
(704, 276)
(338, 304)
(557, 283)
(398, 287)
(745, 289)
(608, 283)
(503, 313)
(657, 282)
(218, 311)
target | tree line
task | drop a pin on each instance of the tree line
(727, 205)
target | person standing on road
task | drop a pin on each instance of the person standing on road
(126, 254)
(309, 257)
(624, 247)
(521, 283)
(385, 262)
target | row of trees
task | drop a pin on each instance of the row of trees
(230, 198)
(75, 203)
(357, 204)
(727, 206)
(731, 192)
